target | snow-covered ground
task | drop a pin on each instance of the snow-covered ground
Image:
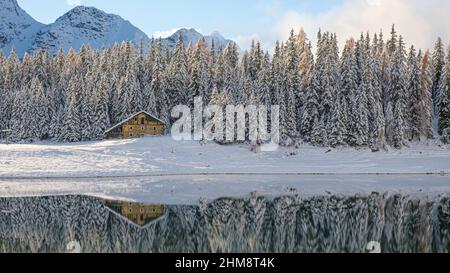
(162, 170)
(162, 155)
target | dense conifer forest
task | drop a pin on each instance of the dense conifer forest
(373, 93)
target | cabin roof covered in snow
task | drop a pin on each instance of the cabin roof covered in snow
(131, 117)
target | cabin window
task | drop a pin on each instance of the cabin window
(142, 121)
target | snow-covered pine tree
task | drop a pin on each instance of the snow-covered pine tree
(306, 67)
(422, 111)
(392, 43)
(4, 95)
(231, 73)
(445, 104)
(398, 96)
(25, 70)
(71, 131)
(10, 87)
(319, 85)
(158, 84)
(328, 96)
(310, 113)
(37, 114)
(280, 87)
(413, 96)
(330, 80)
(255, 60)
(131, 90)
(293, 87)
(338, 130)
(386, 67)
(349, 88)
(19, 107)
(56, 94)
(319, 133)
(100, 117)
(198, 71)
(377, 122)
(264, 82)
(212, 62)
(87, 94)
(219, 72)
(366, 116)
(149, 99)
(438, 71)
(444, 107)
(361, 126)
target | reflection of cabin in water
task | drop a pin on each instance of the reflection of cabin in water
(137, 125)
(139, 214)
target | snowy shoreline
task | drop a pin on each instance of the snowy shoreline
(161, 170)
(163, 156)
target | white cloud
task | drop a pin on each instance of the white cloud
(419, 21)
(73, 2)
(165, 33)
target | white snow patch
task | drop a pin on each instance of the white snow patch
(161, 170)
(162, 155)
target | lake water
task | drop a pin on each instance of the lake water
(230, 213)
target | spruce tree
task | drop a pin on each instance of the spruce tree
(444, 107)
(438, 71)
(178, 76)
(293, 87)
(101, 121)
(338, 130)
(349, 88)
(374, 73)
(398, 96)
(413, 95)
(71, 131)
(422, 110)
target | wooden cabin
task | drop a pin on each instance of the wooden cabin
(140, 214)
(137, 125)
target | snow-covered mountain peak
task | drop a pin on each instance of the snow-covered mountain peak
(15, 24)
(80, 26)
(11, 14)
(88, 15)
(192, 31)
(86, 26)
(216, 34)
(190, 35)
(10, 5)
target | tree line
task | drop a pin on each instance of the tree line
(374, 93)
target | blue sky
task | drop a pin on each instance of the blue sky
(232, 17)
(266, 20)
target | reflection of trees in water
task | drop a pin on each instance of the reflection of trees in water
(254, 224)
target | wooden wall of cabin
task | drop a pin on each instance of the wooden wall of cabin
(141, 126)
